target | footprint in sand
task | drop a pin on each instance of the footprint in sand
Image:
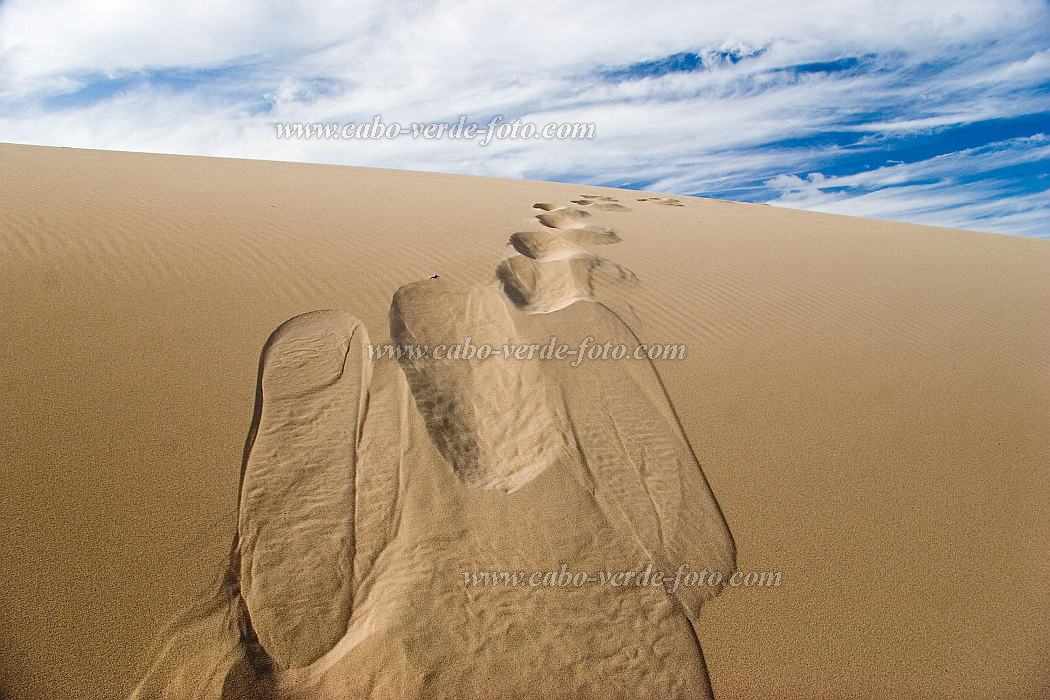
(544, 245)
(295, 490)
(489, 418)
(600, 201)
(562, 217)
(319, 486)
(647, 478)
(542, 286)
(666, 201)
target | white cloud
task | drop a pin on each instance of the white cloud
(930, 190)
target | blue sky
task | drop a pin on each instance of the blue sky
(917, 111)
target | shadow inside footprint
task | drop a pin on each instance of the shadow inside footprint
(570, 218)
(544, 245)
(488, 416)
(542, 286)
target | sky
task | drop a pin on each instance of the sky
(918, 111)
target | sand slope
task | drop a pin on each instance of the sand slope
(868, 401)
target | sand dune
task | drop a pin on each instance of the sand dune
(868, 401)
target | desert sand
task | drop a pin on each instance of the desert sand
(213, 489)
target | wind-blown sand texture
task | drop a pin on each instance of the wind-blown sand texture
(185, 366)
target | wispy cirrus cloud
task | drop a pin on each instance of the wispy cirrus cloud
(905, 109)
(1002, 182)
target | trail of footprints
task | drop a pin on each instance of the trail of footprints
(490, 441)
(552, 267)
(492, 421)
(496, 424)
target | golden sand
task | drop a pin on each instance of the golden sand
(868, 401)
